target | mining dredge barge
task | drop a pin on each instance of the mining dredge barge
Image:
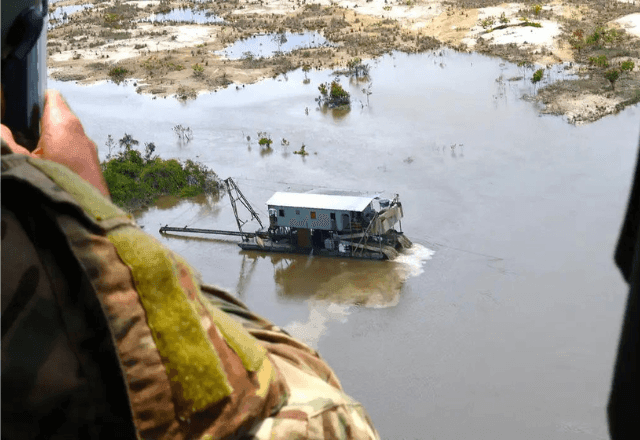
(330, 223)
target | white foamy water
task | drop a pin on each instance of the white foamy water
(413, 259)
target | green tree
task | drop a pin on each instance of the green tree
(135, 180)
(600, 61)
(576, 40)
(127, 141)
(264, 139)
(164, 176)
(198, 71)
(612, 75)
(596, 36)
(537, 76)
(627, 66)
(306, 68)
(301, 151)
(118, 74)
(537, 9)
(333, 95)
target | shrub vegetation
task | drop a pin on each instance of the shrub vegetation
(627, 66)
(600, 61)
(612, 75)
(537, 76)
(135, 180)
(118, 74)
(333, 95)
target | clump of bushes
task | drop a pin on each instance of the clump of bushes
(597, 39)
(184, 93)
(599, 61)
(198, 71)
(357, 68)
(118, 74)
(627, 66)
(612, 76)
(135, 179)
(301, 151)
(156, 65)
(333, 95)
(264, 140)
(487, 22)
(537, 9)
(306, 68)
(537, 76)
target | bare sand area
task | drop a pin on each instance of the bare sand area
(176, 48)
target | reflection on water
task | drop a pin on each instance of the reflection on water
(264, 46)
(186, 15)
(366, 283)
(61, 14)
(62, 11)
(167, 202)
(333, 286)
(338, 114)
(208, 202)
(346, 281)
(191, 211)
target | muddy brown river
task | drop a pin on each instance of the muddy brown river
(502, 322)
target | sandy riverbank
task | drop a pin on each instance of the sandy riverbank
(119, 40)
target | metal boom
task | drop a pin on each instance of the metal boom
(234, 195)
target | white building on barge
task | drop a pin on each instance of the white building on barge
(333, 223)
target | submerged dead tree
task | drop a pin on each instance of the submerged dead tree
(184, 133)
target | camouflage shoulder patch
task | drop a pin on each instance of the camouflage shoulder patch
(173, 320)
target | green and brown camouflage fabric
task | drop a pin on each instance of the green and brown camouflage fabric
(316, 407)
(108, 333)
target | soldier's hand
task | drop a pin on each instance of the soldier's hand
(64, 141)
(7, 136)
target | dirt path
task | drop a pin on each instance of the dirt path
(122, 40)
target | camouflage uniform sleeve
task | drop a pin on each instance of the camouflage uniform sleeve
(56, 380)
(33, 340)
(316, 406)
